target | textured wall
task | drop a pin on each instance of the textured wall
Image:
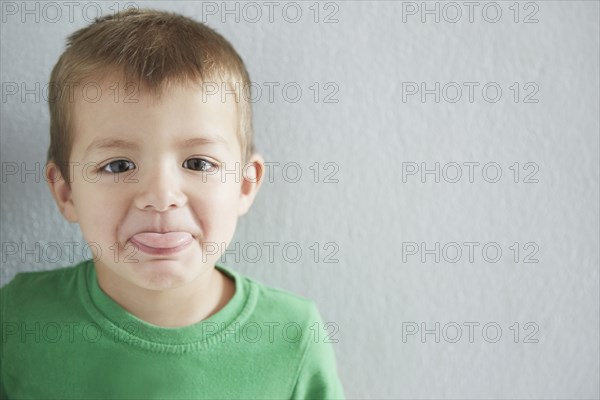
(366, 58)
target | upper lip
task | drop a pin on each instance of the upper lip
(163, 230)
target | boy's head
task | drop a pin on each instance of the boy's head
(160, 164)
(148, 50)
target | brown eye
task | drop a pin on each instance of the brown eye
(118, 166)
(198, 164)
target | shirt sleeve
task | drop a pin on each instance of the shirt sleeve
(318, 377)
(3, 296)
(3, 395)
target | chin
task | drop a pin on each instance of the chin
(161, 274)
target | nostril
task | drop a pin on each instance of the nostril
(165, 199)
(160, 195)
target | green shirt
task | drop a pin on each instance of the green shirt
(65, 338)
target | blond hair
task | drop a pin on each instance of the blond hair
(153, 49)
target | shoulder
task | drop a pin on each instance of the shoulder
(299, 322)
(40, 288)
(278, 304)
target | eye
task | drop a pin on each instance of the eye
(198, 164)
(118, 166)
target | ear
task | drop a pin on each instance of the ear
(61, 191)
(252, 177)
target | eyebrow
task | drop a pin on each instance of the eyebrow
(114, 143)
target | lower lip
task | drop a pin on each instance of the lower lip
(161, 251)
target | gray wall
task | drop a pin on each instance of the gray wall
(377, 214)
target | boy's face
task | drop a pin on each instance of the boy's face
(151, 175)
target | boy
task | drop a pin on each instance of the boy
(145, 169)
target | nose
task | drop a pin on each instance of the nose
(160, 189)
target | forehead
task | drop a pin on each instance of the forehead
(112, 107)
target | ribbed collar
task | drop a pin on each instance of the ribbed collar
(120, 325)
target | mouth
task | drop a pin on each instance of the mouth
(166, 243)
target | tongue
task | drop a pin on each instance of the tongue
(162, 240)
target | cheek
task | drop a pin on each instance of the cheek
(99, 211)
(216, 210)
(218, 193)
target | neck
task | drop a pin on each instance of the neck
(174, 307)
